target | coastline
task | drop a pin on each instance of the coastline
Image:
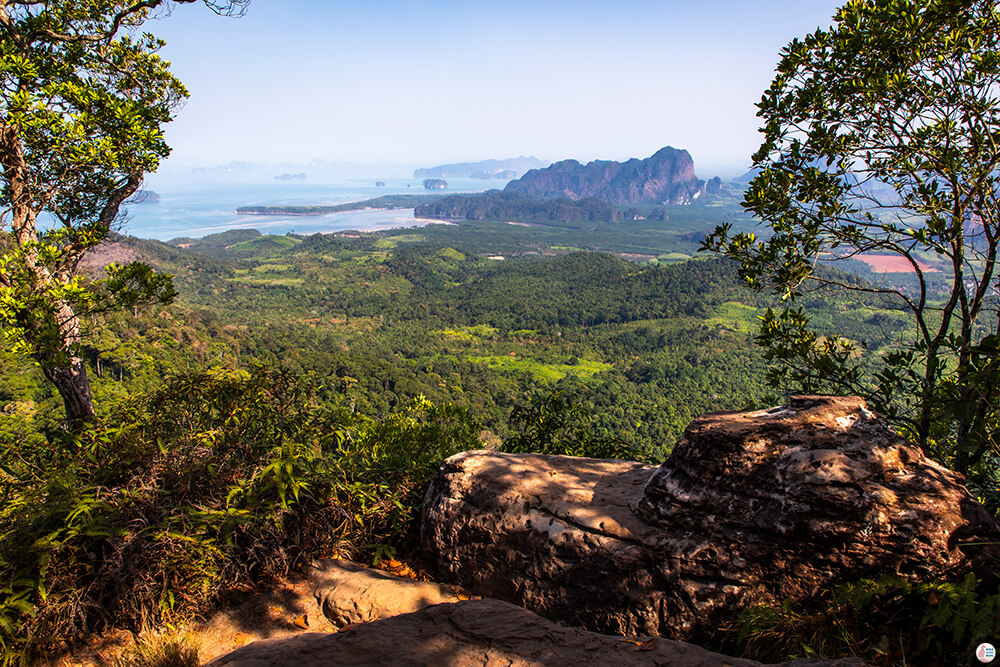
(287, 212)
(203, 209)
(358, 220)
(385, 202)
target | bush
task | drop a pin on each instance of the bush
(887, 621)
(218, 482)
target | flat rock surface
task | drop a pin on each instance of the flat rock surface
(480, 633)
(754, 507)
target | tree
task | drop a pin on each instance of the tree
(551, 423)
(882, 136)
(83, 97)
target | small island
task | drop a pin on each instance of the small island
(291, 177)
(144, 197)
(435, 183)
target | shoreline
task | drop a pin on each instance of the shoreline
(383, 203)
(290, 212)
(285, 225)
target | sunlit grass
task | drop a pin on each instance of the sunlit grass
(735, 315)
(270, 282)
(673, 257)
(477, 332)
(543, 372)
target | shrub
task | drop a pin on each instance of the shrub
(218, 482)
(886, 621)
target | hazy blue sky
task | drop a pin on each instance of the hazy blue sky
(421, 82)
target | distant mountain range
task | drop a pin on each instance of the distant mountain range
(487, 169)
(667, 177)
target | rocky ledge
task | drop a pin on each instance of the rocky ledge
(479, 632)
(752, 507)
(349, 593)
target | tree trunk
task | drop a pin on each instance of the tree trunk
(73, 386)
(66, 369)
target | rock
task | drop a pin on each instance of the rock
(754, 507)
(477, 632)
(349, 593)
(667, 177)
(435, 184)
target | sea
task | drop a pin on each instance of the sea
(197, 204)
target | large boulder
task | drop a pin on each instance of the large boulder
(478, 633)
(752, 507)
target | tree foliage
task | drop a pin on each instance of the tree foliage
(83, 98)
(552, 424)
(880, 138)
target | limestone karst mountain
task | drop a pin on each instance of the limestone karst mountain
(667, 177)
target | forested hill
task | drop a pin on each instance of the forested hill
(499, 205)
(578, 289)
(643, 349)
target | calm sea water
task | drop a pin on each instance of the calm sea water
(192, 208)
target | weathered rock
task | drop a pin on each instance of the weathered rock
(478, 632)
(349, 593)
(749, 508)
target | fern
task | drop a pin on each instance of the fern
(933, 620)
(960, 611)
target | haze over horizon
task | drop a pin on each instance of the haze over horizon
(421, 83)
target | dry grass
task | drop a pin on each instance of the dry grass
(169, 650)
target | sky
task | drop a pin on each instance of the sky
(421, 82)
